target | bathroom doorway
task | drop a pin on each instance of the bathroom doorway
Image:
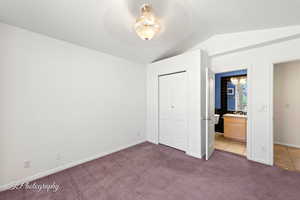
(231, 106)
(286, 109)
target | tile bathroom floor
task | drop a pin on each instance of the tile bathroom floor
(225, 144)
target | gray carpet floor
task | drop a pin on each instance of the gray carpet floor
(156, 172)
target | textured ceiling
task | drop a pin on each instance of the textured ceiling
(107, 26)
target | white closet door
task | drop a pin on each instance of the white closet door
(173, 110)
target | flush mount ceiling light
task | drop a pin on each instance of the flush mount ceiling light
(147, 25)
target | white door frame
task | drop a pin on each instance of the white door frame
(271, 103)
(208, 118)
(249, 142)
(169, 74)
(182, 70)
(191, 63)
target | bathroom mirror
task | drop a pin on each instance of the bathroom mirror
(237, 94)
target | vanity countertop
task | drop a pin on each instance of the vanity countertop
(235, 115)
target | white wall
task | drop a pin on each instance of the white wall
(190, 62)
(286, 103)
(225, 43)
(259, 62)
(257, 51)
(58, 98)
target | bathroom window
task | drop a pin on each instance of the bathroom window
(241, 97)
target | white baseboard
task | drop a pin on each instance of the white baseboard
(195, 155)
(289, 145)
(63, 167)
(152, 141)
(192, 154)
(265, 162)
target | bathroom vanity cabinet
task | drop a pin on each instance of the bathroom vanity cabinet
(235, 127)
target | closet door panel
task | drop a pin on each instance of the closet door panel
(173, 110)
(165, 92)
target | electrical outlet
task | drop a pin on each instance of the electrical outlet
(27, 164)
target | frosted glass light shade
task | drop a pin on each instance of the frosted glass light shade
(243, 81)
(234, 81)
(147, 25)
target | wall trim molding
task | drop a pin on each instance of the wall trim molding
(66, 166)
(286, 144)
